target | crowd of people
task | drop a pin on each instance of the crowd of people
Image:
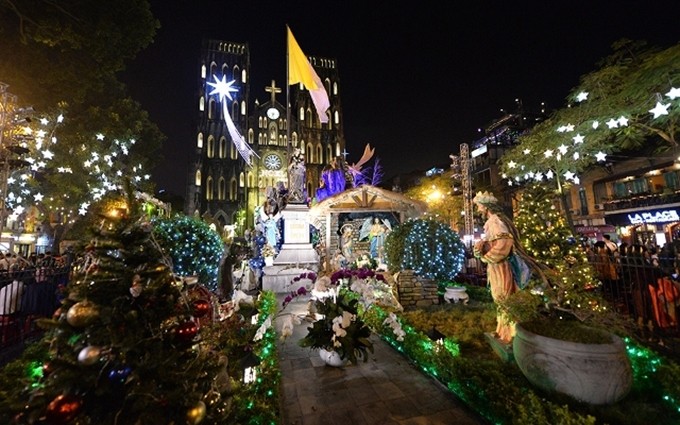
(642, 280)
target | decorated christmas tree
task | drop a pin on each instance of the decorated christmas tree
(131, 343)
(546, 237)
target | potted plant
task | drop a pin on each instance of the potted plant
(340, 330)
(565, 332)
(454, 292)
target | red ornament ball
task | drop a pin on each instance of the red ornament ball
(186, 331)
(201, 307)
(63, 409)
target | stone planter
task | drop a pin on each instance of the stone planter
(591, 373)
(455, 294)
(332, 358)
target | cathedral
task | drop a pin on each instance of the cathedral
(222, 187)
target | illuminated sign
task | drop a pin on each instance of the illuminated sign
(664, 216)
(475, 153)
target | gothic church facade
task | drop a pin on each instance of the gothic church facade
(222, 188)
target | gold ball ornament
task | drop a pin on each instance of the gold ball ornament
(196, 414)
(82, 314)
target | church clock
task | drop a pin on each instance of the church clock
(272, 162)
(273, 113)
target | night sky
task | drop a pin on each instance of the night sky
(416, 78)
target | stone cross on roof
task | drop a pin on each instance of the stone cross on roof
(273, 90)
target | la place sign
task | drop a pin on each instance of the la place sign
(664, 216)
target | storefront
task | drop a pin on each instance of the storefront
(646, 226)
(592, 234)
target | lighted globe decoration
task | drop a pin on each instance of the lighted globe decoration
(428, 247)
(195, 249)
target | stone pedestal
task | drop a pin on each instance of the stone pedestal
(279, 279)
(297, 254)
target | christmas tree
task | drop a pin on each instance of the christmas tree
(547, 237)
(131, 343)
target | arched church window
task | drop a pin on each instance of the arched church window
(319, 154)
(336, 117)
(241, 179)
(244, 76)
(201, 104)
(273, 133)
(335, 88)
(197, 178)
(212, 109)
(223, 147)
(203, 71)
(221, 189)
(209, 188)
(251, 135)
(199, 140)
(211, 147)
(233, 190)
(310, 153)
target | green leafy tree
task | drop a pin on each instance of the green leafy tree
(428, 247)
(195, 248)
(64, 58)
(627, 102)
(444, 201)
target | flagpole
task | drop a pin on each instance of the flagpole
(288, 123)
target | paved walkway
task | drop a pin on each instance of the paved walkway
(385, 390)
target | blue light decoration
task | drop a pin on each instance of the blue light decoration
(194, 247)
(433, 251)
(223, 89)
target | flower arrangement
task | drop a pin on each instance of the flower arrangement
(340, 329)
(338, 302)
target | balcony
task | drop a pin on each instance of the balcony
(642, 201)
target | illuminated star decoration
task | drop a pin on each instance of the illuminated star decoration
(578, 139)
(224, 89)
(660, 109)
(582, 96)
(600, 156)
(673, 93)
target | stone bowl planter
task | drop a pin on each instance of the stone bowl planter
(591, 373)
(455, 294)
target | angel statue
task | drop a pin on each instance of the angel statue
(376, 231)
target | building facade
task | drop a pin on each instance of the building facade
(222, 188)
(635, 199)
